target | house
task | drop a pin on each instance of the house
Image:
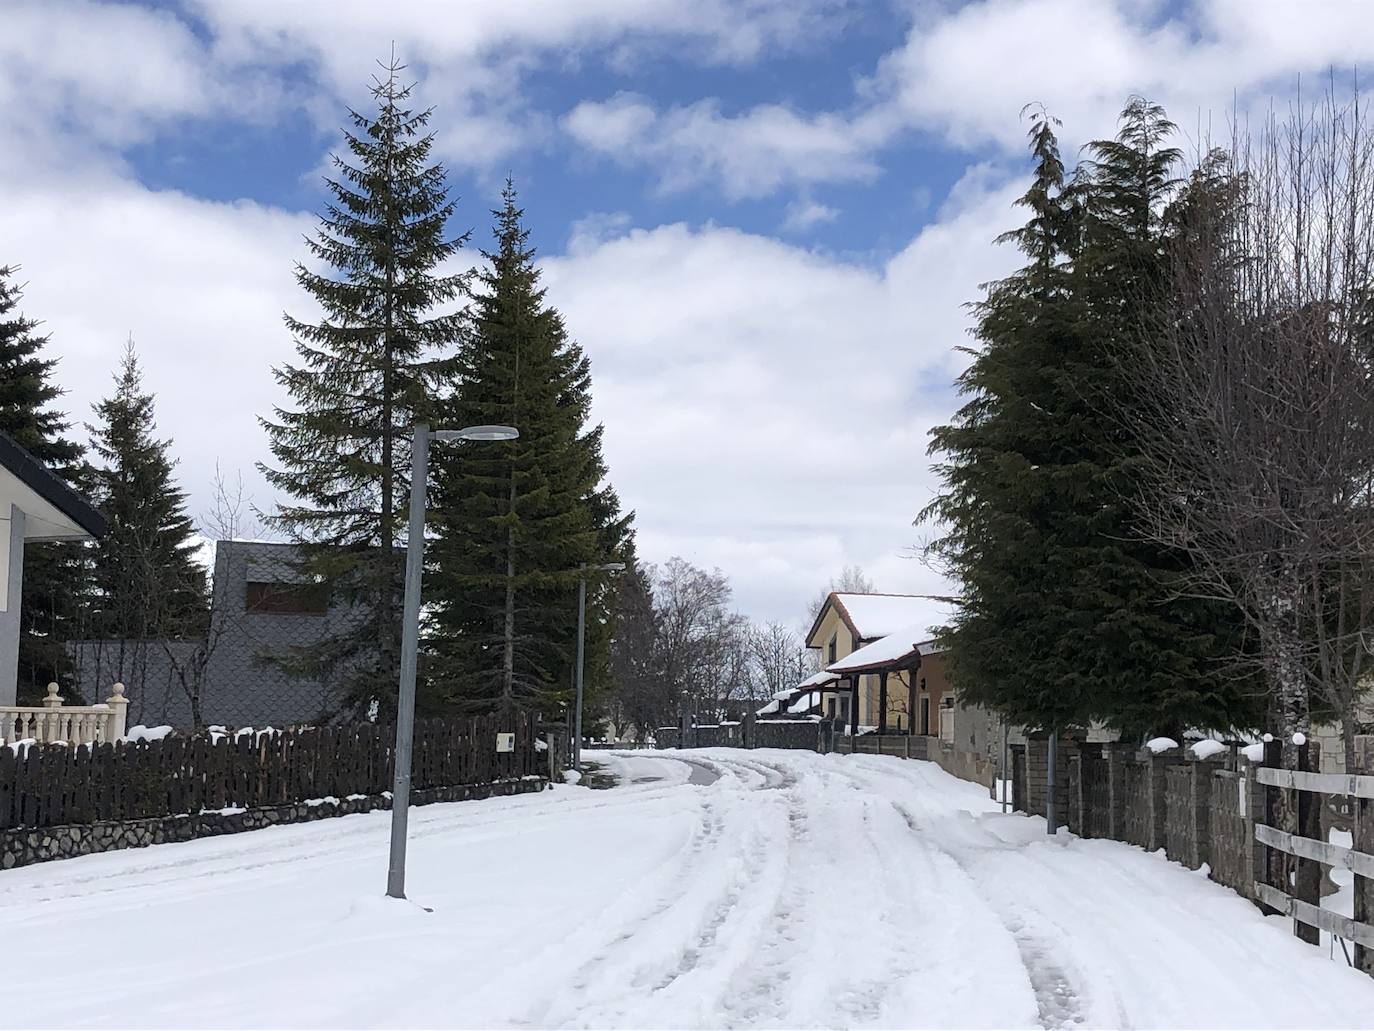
(35, 505)
(810, 698)
(892, 683)
(262, 605)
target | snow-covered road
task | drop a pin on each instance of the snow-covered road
(791, 890)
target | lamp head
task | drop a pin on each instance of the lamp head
(478, 433)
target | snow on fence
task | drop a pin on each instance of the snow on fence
(73, 724)
(53, 785)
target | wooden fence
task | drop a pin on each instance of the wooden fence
(53, 785)
(1288, 868)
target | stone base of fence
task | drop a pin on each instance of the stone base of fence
(25, 847)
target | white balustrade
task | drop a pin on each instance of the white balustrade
(73, 724)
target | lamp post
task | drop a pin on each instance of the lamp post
(584, 569)
(410, 636)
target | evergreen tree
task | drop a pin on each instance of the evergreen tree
(147, 581)
(514, 520)
(365, 374)
(1175, 656)
(1014, 472)
(54, 574)
(1066, 617)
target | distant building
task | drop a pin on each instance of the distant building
(261, 606)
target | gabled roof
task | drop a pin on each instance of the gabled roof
(900, 650)
(52, 510)
(871, 616)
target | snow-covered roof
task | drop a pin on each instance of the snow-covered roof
(769, 709)
(870, 616)
(900, 647)
(806, 701)
(816, 680)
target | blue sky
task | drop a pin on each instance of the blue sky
(761, 218)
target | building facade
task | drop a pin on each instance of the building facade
(262, 607)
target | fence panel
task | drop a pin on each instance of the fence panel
(46, 785)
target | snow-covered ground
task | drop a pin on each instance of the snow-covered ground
(790, 890)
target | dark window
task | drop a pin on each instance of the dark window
(830, 649)
(287, 599)
(830, 708)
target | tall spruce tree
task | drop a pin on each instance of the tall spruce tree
(1065, 617)
(147, 582)
(515, 520)
(1182, 667)
(367, 371)
(1014, 473)
(55, 575)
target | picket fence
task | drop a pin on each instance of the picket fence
(49, 785)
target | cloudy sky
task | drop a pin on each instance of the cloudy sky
(761, 218)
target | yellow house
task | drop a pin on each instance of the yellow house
(849, 622)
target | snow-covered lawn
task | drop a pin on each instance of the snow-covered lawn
(792, 890)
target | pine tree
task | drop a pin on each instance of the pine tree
(54, 574)
(147, 582)
(1066, 617)
(515, 520)
(1171, 659)
(366, 373)
(1012, 472)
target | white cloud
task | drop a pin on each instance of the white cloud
(751, 154)
(803, 214)
(201, 286)
(767, 408)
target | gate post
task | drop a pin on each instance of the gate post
(1363, 836)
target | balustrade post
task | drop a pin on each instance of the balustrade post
(119, 711)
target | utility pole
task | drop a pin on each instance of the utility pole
(582, 569)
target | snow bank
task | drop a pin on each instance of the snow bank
(142, 733)
(1255, 752)
(1207, 748)
(1160, 744)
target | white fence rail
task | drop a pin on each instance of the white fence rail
(73, 724)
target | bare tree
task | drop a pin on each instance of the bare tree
(775, 660)
(851, 580)
(1256, 402)
(700, 657)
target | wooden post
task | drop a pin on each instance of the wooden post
(1363, 836)
(911, 702)
(1308, 872)
(853, 709)
(882, 702)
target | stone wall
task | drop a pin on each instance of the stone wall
(1231, 856)
(1188, 813)
(1037, 775)
(24, 847)
(961, 763)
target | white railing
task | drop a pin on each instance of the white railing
(73, 724)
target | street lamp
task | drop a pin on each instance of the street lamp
(584, 569)
(410, 635)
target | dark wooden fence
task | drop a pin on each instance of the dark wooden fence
(54, 785)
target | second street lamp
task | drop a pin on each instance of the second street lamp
(410, 636)
(584, 569)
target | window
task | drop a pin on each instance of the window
(830, 648)
(830, 708)
(286, 599)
